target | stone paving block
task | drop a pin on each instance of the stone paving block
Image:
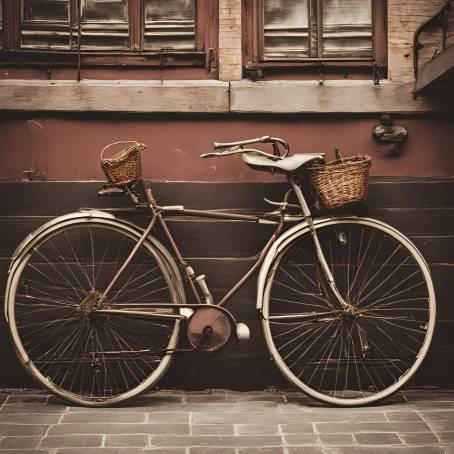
(72, 441)
(336, 439)
(126, 441)
(377, 438)
(438, 415)
(32, 408)
(19, 442)
(307, 450)
(297, 428)
(425, 438)
(446, 437)
(282, 418)
(22, 429)
(395, 416)
(200, 450)
(205, 398)
(431, 405)
(440, 426)
(165, 450)
(96, 418)
(302, 439)
(449, 448)
(212, 429)
(256, 397)
(27, 451)
(293, 407)
(27, 399)
(29, 419)
(364, 449)
(124, 429)
(120, 409)
(274, 450)
(98, 451)
(216, 441)
(54, 400)
(372, 427)
(432, 395)
(257, 429)
(168, 417)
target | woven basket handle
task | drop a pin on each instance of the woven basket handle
(118, 143)
(338, 155)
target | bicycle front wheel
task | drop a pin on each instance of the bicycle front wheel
(78, 354)
(363, 354)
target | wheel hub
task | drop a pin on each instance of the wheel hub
(89, 306)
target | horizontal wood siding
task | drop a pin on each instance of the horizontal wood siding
(422, 208)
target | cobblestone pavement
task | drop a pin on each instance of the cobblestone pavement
(227, 422)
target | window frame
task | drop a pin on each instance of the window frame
(256, 66)
(203, 56)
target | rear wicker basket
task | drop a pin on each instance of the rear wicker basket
(342, 181)
(125, 166)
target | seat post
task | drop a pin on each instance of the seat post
(301, 199)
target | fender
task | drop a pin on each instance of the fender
(30, 240)
(302, 228)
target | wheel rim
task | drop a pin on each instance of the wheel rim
(367, 353)
(63, 342)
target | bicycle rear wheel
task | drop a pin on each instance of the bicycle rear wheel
(68, 347)
(362, 355)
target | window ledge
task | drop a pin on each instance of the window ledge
(334, 96)
(129, 96)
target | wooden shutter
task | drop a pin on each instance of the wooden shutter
(285, 29)
(45, 24)
(169, 24)
(104, 24)
(347, 28)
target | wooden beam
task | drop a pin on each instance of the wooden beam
(332, 97)
(435, 70)
(114, 96)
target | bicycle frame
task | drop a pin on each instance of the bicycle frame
(157, 217)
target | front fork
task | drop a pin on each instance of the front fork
(320, 255)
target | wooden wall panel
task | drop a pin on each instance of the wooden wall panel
(422, 208)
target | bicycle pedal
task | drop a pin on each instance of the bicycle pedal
(242, 332)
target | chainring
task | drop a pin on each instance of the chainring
(209, 329)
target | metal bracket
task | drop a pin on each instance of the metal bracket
(388, 133)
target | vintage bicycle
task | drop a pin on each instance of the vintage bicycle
(96, 305)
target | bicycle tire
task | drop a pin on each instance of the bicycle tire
(357, 358)
(88, 359)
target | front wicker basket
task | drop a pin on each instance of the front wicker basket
(342, 181)
(125, 166)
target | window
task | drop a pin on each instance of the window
(285, 33)
(170, 28)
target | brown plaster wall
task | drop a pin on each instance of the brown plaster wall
(67, 147)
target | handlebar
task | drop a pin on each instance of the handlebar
(230, 148)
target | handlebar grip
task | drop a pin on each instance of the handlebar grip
(208, 155)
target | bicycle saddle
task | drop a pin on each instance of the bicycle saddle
(286, 165)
